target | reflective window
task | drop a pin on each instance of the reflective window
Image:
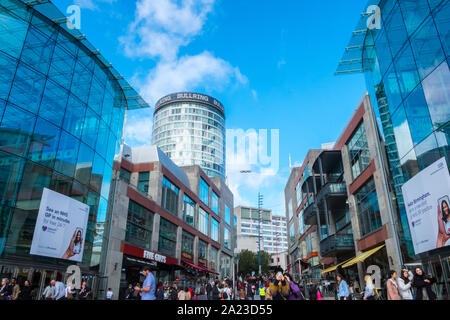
(396, 31)
(407, 75)
(214, 202)
(170, 196)
(368, 208)
(203, 221)
(414, 12)
(214, 229)
(8, 67)
(74, 117)
(359, 153)
(226, 238)
(418, 115)
(143, 181)
(38, 49)
(13, 30)
(227, 215)
(188, 210)
(84, 164)
(202, 249)
(61, 69)
(16, 129)
(53, 104)
(204, 192)
(90, 128)
(167, 238)
(443, 23)
(139, 226)
(187, 243)
(44, 143)
(402, 132)
(125, 175)
(67, 155)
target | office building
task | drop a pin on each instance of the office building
(175, 219)
(62, 109)
(190, 129)
(272, 230)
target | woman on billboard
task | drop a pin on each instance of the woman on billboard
(443, 222)
(75, 245)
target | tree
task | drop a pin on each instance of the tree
(248, 262)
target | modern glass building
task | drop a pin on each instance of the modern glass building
(190, 129)
(62, 109)
(406, 62)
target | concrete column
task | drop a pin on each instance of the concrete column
(180, 204)
(195, 255)
(178, 247)
(155, 233)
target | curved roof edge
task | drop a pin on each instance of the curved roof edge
(47, 9)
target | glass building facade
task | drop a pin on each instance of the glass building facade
(61, 118)
(190, 129)
(406, 63)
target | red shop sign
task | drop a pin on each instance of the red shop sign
(148, 255)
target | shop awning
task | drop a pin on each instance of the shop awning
(210, 271)
(363, 256)
(192, 265)
(335, 267)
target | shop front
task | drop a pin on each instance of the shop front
(134, 259)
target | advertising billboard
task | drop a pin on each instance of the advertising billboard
(60, 229)
(427, 202)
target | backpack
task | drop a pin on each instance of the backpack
(224, 295)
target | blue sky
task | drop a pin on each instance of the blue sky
(271, 63)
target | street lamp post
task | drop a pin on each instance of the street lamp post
(260, 201)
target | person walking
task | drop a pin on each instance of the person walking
(268, 291)
(49, 292)
(280, 286)
(262, 292)
(60, 290)
(5, 290)
(188, 294)
(342, 293)
(173, 292)
(69, 293)
(295, 292)
(216, 291)
(392, 286)
(423, 284)
(405, 285)
(181, 294)
(15, 289)
(369, 290)
(159, 292)
(129, 292)
(149, 287)
(26, 293)
(242, 295)
(226, 292)
(85, 292)
(109, 294)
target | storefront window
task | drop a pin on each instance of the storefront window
(203, 221)
(167, 238)
(204, 192)
(214, 229)
(359, 151)
(368, 208)
(188, 210)
(169, 196)
(139, 226)
(202, 249)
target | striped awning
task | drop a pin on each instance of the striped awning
(335, 267)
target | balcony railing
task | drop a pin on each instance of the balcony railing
(335, 243)
(309, 213)
(332, 189)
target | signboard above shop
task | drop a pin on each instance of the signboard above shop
(148, 255)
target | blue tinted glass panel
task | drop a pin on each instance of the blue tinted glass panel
(441, 17)
(54, 101)
(418, 116)
(61, 69)
(96, 96)
(427, 152)
(38, 49)
(102, 140)
(67, 44)
(8, 68)
(392, 89)
(97, 173)
(67, 155)
(402, 132)
(84, 164)
(81, 82)
(414, 12)
(16, 128)
(407, 75)
(44, 143)
(27, 88)
(383, 52)
(106, 183)
(74, 117)
(427, 48)
(90, 129)
(436, 88)
(12, 32)
(108, 103)
(396, 31)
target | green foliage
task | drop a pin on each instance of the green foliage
(248, 262)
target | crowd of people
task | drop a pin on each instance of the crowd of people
(406, 286)
(56, 290)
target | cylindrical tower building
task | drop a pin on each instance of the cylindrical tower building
(190, 129)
